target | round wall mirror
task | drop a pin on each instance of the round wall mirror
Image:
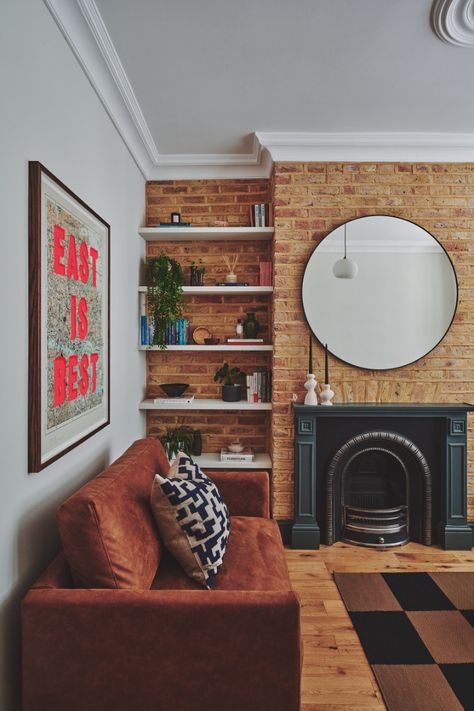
(380, 291)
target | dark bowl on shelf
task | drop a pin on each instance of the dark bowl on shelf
(211, 341)
(174, 389)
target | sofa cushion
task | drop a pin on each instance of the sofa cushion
(192, 518)
(107, 528)
(254, 560)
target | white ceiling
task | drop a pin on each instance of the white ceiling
(208, 75)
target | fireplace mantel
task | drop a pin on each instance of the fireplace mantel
(442, 425)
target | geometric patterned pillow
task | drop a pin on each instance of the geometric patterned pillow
(192, 519)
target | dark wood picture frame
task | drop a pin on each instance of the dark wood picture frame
(88, 273)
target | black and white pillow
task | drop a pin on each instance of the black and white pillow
(192, 518)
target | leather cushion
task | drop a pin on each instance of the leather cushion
(107, 529)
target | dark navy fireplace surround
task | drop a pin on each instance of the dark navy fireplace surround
(438, 431)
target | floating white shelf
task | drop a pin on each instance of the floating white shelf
(212, 460)
(220, 290)
(218, 347)
(191, 234)
(207, 404)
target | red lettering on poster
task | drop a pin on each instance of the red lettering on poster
(58, 250)
(94, 359)
(72, 378)
(59, 380)
(84, 374)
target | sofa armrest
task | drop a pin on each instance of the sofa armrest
(160, 650)
(246, 493)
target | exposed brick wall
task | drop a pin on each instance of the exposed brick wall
(309, 201)
(202, 202)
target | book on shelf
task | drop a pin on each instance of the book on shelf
(246, 455)
(235, 283)
(174, 224)
(259, 386)
(261, 214)
(181, 401)
(265, 274)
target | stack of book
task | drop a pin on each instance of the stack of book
(259, 386)
(246, 455)
(235, 341)
(177, 332)
(265, 273)
(260, 214)
(181, 401)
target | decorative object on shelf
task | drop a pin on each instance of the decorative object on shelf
(231, 277)
(212, 341)
(174, 224)
(230, 387)
(197, 274)
(243, 455)
(251, 325)
(165, 280)
(197, 444)
(176, 218)
(235, 283)
(310, 385)
(182, 401)
(178, 439)
(235, 446)
(239, 329)
(200, 333)
(69, 284)
(174, 389)
(326, 395)
(345, 268)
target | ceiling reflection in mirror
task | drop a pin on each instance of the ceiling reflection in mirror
(394, 307)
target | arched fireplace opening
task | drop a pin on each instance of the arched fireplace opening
(378, 492)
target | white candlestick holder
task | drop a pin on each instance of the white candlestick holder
(311, 398)
(326, 394)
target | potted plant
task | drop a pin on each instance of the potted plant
(228, 377)
(165, 281)
(182, 439)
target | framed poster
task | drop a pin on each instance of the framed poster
(69, 283)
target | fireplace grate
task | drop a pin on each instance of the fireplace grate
(376, 527)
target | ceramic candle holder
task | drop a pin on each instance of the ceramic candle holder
(326, 395)
(311, 398)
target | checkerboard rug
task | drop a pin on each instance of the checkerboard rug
(417, 632)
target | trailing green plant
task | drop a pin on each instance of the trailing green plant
(165, 281)
(227, 375)
(178, 439)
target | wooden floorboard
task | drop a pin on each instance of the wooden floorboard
(336, 674)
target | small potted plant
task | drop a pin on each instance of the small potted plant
(178, 439)
(229, 378)
(165, 281)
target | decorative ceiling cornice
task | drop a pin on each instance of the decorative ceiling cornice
(363, 147)
(453, 21)
(83, 28)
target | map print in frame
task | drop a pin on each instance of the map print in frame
(69, 319)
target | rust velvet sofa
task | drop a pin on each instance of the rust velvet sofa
(114, 625)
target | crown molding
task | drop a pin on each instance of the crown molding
(84, 30)
(364, 147)
(453, 21)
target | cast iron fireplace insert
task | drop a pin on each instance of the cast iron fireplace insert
(381, 475)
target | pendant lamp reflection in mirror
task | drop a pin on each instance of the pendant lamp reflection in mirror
(345, 268)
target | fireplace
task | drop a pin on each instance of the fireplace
(381, 475)
(378, 492)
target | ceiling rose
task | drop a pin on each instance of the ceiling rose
(453, 21)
